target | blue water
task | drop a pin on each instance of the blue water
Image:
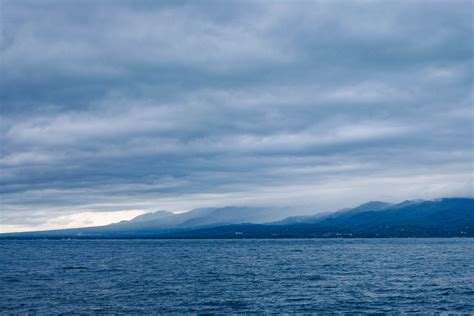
(232, 276)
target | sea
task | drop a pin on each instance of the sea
(307, 276)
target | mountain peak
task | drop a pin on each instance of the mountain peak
(371, 206)
(409, 202)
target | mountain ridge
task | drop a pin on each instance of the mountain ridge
(447, 217)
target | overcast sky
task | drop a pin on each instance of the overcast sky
(113, 108)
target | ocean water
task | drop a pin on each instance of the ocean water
(237, 276)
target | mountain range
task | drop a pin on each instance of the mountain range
(448, 217)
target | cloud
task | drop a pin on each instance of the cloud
(136, 106)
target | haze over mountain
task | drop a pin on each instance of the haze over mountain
(162, 220)
(369, 206)
(449, 217)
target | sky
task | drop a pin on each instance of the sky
(110, 109)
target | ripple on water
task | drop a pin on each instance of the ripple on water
(246, 276)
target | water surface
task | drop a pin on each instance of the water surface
(232, 276)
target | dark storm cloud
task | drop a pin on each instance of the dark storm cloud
(137, 105)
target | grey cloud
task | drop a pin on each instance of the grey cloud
(118, 105)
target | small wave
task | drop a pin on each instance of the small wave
(10, 280)
(314, 277)
(73, 268)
